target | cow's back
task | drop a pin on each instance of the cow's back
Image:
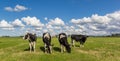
(76, 37)
(33, 37)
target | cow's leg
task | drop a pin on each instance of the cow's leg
(34, 43)
(50, 49)
(64, 48)
(61, 48)
(73, 43)
(81, 43)
(45, 47)
(30, 45)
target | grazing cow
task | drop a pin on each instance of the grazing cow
(78, 38)
(64, 43)
(32, 40)
(47, 42)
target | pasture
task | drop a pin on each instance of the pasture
(95, 49)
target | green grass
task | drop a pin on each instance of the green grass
(95, 49)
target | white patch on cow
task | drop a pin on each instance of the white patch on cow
(61, 46)
(50, 49)
(45, 46)
(32, 44)
(61, 36)
(28, 38)
(47, 35)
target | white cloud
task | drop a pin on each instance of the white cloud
(97, 24)
(49, 26)
(57, 22)
(38, 28)
(8, 9)
(33, 21)
(98, 33)
(80, 21)
(93, 19)
(114, 16)
(46, 18)
(18, 23)
(44, 30)
(57, 27)
(100, 19)
(93, 25)
(17, 8)
(5, 25)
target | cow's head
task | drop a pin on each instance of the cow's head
(26, 36)
(68, 48)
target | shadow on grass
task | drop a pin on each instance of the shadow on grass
(77, 45)
(42, 49)
(27, 49)
(57, 49)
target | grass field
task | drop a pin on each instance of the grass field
(95, 49)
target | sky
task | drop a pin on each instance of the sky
(89, 17)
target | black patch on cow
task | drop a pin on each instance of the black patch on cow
(47, 41)
(32, 38)
(79, 38)
(63, 41)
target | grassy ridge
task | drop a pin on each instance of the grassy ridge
(96, 49)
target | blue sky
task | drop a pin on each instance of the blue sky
(65, 12)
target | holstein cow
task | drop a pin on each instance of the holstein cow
(47, 42)
(64, 43)
(32, 40)
(78, 38)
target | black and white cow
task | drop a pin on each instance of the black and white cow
(64, 43)
(32, 38)
(47, 42)
(78, 38)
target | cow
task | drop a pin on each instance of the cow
(32, 38)
(47, 42)
(78, 38)
(64, 43)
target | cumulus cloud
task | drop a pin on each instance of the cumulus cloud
(114, 16)
(17, 8)
(93, 25)
(18, 23)
(97, 24)
(33, 21)
(48, 26)
(81, 21)
(100, 19)
(8, 8)
(46, 18)
(57, 22)
(38, 28)
(5, 25)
